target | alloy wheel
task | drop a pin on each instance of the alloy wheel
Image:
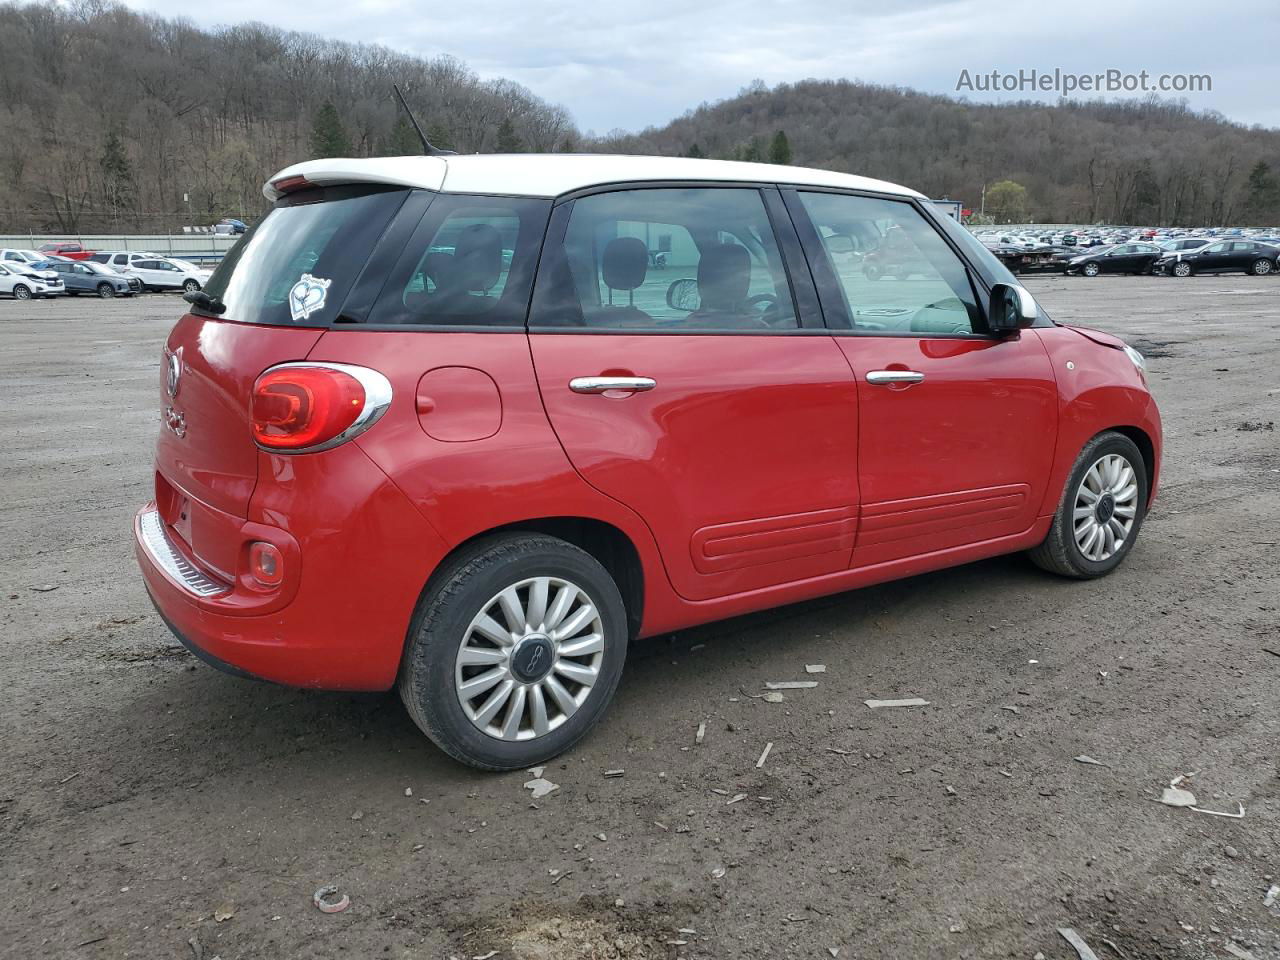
(530, 658)
(1106, 506)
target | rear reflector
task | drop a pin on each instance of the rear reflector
(308, 407)
(265, 563)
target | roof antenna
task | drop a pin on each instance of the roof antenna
(427, 148)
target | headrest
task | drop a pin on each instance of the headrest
(438, 268)
(724, 276)
(477, 258)
(625, 262)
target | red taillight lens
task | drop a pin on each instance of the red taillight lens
(296, 408)
(266, 565)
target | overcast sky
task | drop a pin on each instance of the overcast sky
(630, 65)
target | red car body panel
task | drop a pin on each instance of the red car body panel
(962, 456)
(1101, 390)
(743, 461)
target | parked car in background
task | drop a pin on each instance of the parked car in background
(350, 494)
(1135, 258)
(86, 276)
(72, 251)
(164, 273)
(1221, 256)
(233, 225)
(20, 256)
(119, 259)
(23, 283)
(1184, 243)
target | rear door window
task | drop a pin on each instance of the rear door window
(295, 266)
(469, 264)
(682, 260)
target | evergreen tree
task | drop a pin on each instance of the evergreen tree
(1263, 191)
(402, 141)
(119, 186)
(695, 152)
(508, 140)
(438, 134)
(780, 149)
(328, 138)
(751, 152)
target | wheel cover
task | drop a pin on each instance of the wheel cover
(1105, 508)
(529, 659)
(1262, 267)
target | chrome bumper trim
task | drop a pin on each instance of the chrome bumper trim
(165, 556)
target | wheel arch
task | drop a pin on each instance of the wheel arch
(1146, 446)
(606, 543)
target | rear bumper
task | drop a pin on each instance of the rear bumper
(341, 619)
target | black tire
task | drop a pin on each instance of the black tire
(457, 593)
(872, 272)
(1261, 267)
(22, 292)
(191, 286)
(1090, 270)
(1181, 269)
(1059, 553)
(106, 291)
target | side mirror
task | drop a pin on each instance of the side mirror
(683, 295)
(1011, 308)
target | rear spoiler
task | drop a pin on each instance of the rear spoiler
(425, 173)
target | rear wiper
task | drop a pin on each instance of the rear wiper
(205, 302)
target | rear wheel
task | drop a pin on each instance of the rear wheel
(514, 652)
(191, 286)
(106, 291)
(22, 292)
(1101, 510)
(1261, 267)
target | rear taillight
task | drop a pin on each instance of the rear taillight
(308, 407)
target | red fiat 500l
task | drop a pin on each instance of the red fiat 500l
(468, 425)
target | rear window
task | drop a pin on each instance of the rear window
(296, 265)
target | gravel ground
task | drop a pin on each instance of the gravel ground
(152, 807)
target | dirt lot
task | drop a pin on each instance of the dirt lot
(152, 807)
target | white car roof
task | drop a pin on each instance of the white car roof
(553, 174)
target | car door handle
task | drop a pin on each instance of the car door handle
(604, 384)
(894, 376)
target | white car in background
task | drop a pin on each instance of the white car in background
(165, 273)
(19, 281)
(25, 260)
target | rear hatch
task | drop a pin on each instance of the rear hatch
(268, 302)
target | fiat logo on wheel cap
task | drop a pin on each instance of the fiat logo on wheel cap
(172, 371)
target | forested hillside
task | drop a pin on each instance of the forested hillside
(118, 121)
(1146, 162)
(108, 117)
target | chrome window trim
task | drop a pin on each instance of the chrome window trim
(377, 398)
(165, 555)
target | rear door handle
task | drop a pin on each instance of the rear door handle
(603, 384)
(894, 376)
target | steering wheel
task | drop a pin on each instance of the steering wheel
(769, 315)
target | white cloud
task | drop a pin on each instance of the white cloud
(629, 65)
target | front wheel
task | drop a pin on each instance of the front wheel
(22, 292)
(1261, 267)
(1181, 269)
(1091, 270)
(1101, 510)
(106, 291)
(514, 652)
